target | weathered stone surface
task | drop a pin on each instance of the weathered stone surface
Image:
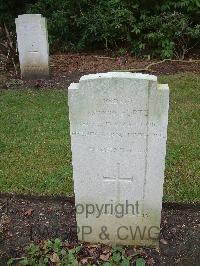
(118, 126)
(32, 41)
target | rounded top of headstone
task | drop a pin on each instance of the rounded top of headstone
(127, 75)
(28, 17)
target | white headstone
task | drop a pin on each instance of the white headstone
(118, 127)
(32, 41)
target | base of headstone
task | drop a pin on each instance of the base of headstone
(34, 75)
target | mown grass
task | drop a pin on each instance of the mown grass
(34, 142)
(35, 154)
(182, 175)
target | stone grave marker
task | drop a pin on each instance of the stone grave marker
(32, 42)
(118, 127)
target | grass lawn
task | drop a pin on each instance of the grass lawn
(35, 154)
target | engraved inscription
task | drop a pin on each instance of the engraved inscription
(109, 134)
(118, 101)
(109, 149)
(127, 112)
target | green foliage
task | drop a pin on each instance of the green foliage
(55, 252)
(166, 34)
(163, 28)
(107, 23)
(140, 262)
(50, 253)
(119, 257)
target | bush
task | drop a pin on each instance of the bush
(9, 9)
(166, 35)
(107, 23)
(166, 28)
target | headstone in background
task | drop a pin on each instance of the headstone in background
(32, 42)
(118, 127)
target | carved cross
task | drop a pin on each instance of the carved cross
(118, 179)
